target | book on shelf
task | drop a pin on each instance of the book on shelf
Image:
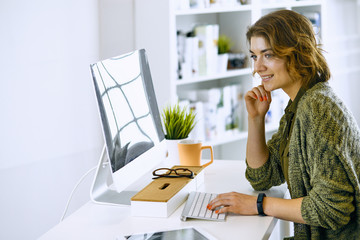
(199, 130)
(208, 50)
(314, 18)
(191, 63)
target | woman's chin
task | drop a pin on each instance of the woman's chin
(267, 87)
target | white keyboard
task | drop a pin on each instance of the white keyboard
(196, 207)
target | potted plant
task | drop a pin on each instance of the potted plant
(178, 123)
(224, 45)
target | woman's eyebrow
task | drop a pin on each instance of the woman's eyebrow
(262, 51)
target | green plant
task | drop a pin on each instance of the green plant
(224, 44)
(178, 122)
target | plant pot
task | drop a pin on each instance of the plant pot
(223, 62)
(173, 151)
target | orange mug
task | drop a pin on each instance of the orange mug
(190, 153)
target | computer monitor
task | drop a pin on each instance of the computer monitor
(131, 126)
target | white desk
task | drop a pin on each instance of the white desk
(94, 221)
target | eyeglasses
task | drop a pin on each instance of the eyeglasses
(167, 173)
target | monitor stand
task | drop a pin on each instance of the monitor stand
(101, 191)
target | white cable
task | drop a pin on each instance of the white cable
(72, 193)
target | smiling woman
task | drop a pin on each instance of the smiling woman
(316, 149)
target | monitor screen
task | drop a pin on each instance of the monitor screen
(128, 110)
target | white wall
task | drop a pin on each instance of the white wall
(116, 27)
(342, 43)
(50, 129)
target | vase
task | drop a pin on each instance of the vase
(223, 62)
(173, 151)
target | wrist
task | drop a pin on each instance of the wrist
(259, 119)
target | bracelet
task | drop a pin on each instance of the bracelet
(259, 204)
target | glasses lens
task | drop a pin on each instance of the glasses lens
(162, 171)
(183, 172)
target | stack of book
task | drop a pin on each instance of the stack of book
(198, 51)
(218, 110)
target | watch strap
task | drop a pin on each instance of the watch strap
(259, 204)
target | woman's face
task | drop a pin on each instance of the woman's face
(271, 68)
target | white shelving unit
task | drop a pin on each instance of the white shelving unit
(156, 26)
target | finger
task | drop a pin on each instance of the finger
(251, 94)
(261, 93)
(218, 199)
(222, 210)
(219, 204)
(214, 204)
(257, 92)
(265, 94)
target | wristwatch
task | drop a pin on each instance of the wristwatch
(259, 204)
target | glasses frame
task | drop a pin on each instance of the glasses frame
(170, 170)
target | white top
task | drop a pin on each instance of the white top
(94, 221)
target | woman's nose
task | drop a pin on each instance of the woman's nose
(259, 65)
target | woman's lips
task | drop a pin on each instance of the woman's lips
(266, 78)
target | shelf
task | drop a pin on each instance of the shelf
(227, 74)
(305, 3)
(222, 9)
(246, 7)
(290, 4)
(232, 20)
(235, 135)
(228, 137)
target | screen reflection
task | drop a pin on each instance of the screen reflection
(126, 116)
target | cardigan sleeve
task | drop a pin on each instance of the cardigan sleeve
(325, 150)
(270, 174)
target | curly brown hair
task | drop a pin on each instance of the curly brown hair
(291, 36)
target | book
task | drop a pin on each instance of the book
(199, 130)
(191, 63)
(208, 36)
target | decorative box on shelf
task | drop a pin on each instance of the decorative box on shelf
(164, 195)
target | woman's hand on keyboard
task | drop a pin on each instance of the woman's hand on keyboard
(234, 202)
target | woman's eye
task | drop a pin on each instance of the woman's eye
(268, 55)
(253, 57)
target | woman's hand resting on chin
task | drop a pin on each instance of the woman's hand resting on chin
(257, 102)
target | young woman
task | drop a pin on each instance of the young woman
(317, 147)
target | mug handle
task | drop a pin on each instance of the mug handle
(212, 155)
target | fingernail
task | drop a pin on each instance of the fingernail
(261, 99)
(256, 97)
(265, 98)
(217, 211)
(209, 206)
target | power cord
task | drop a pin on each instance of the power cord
(72, 193)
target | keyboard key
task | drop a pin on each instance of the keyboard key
(204, 205)
(198, 205)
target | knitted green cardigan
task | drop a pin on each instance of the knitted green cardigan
(324, 166)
